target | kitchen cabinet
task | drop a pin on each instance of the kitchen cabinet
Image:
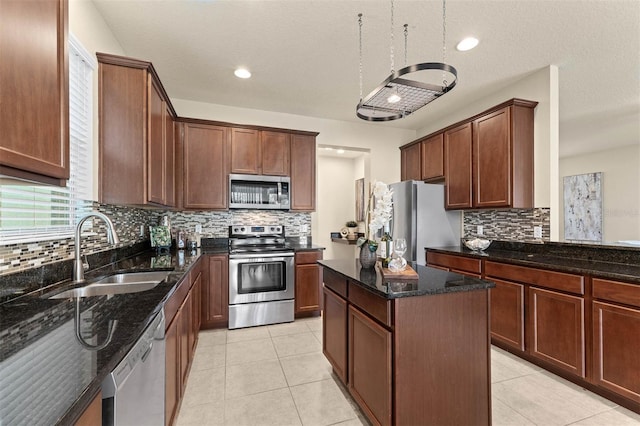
(92, 415)
(507, 313)
(616, 327)
(303, 172)
(432, 158)
(245, 151)
(34, 111)
(215, 294)
(393, 365)
(334, 332)
(204, 166)
(308, 294)
(172, 372)
(410, 162)
(370, 366)
(196, 307)
(185, 332)
(275, 152)
(136, 141)
(458, 264)
(458, 167)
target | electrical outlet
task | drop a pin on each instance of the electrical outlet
(537, 232)
(304, 228)
(142, 230)
(199, 228)
(480, 230)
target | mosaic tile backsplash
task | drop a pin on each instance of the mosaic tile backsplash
(128, 222)
(508, 225)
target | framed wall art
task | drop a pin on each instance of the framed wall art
(583, 207)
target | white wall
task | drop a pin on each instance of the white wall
(540, 86)
(621, 208)
(88, 26)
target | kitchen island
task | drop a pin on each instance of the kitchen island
(409, 351)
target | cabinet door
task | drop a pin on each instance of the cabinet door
(93, 414)
(556, 329)
(34, 114)
(185, 338)
(172, 368)
(616, 345)
(196, 291)
(204, 166)
(156, 164)
(303, 172)
(370, 367)
(334, 332)
(245, 151)
(457, 167)
(215, 295)
(275, 150)
(170, 159)
(410, 163)
(433, 158)
(307, 288)
(492, 159)
(507, 313)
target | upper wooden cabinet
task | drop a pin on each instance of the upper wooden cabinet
(136, 138)
(303, 172)
(410, 163)
(34, 99)
(458, 162)
(432, 164)
(259, 152)
(204, 166)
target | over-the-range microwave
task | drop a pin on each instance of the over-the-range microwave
(259, 192)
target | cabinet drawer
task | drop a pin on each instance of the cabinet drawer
(172, 305)
(615, 291)
(308, 257)
(539, 277)
(335, 282)
(373, 305)
(459, 263)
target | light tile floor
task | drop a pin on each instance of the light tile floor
(277, 375)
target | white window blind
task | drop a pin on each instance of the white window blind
(39, 212)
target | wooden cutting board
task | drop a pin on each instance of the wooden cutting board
(407, 274)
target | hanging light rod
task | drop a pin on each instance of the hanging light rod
(399, 96)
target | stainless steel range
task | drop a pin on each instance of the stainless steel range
(261, 276)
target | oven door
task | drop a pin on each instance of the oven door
(261, 277)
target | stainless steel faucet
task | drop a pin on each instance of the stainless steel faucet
(112, 238)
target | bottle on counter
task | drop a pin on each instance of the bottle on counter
(386, 244)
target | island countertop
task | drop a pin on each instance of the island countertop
(430, 280)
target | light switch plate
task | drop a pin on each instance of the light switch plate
(480, 230)
(304, 228)
(537, 232)
(199, 228)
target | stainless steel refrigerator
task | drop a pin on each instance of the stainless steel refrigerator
(420, 217)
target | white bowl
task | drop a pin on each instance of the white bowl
(477, 244)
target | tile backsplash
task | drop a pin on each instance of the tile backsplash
(508, 225)
(128, 222)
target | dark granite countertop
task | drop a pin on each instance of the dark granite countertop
(430, 280)
(46, 375)
(602, 262)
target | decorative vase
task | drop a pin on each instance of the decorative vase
(367, 257)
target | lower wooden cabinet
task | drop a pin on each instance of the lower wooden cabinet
(458, 264)
(507, 313)
(172, 372)
(556, 329)
(334, 332)
(370, 366)
(215, 292)
(308, 299)
(616, 341)
(92, 416)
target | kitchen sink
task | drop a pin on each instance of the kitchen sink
(133, 282)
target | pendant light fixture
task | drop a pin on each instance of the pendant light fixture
(410, 88)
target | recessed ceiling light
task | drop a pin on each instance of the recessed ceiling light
(242, 73)
(340, 151)
(467, 44)
(394, 98)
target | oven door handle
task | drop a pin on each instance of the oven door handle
(260, 255)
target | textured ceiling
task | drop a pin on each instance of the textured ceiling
(304, 54)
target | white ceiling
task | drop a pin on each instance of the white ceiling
(304, 54)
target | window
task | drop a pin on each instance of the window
(39, 212)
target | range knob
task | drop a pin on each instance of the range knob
(273, 229)
(242, 229)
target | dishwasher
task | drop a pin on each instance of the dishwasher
(133, 394)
